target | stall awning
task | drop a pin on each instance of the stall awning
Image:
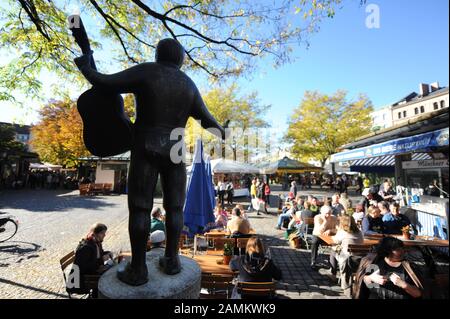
(225, 166)
(120, 157)
(289, 166)
(387, 160)
(422, 142)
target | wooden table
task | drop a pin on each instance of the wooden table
(372, 240)
(222, 233)
(217, 233)
(208, 264)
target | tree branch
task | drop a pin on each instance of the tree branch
(107, 16)
(97, 7)
(30, 9)
(166, 19)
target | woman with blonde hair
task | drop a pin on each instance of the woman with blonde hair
(348, 234)
(255, 266)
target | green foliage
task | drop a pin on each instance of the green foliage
(322, 123)
(222, 38)
(228, 249)
(7, 140)
(244, 112)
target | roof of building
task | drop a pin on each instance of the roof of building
(425, 123)
(416, 98)
(20, 129)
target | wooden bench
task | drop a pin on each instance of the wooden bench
(359, 250)
(218, 286)
(84, 189)
(96, 188)
(256, 289)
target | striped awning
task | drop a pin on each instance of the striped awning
(387, 160)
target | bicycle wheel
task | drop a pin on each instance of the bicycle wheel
(8, 230)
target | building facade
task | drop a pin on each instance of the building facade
(430, 98)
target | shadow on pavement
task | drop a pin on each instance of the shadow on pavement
(16, 252)
(16, 284)
(50, 200)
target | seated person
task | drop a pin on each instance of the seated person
(314, 205)
(90, 257)
(359, 214)
(345, 201)
(336, 206)
(373, 224)
(324, 224)
(302, 215)
(384, 207)
(220, 219)
(348, 234)
(254, 266)
(156, 222)
(237, 224)
(371, 198)
(295, 220)
(286, 214)
(394, 221)
(386, 192)
(387, 274)
(243, 213)
(157, 239)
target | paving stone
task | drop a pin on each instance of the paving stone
(53, 222)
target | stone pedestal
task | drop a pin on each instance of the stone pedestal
(184, 285)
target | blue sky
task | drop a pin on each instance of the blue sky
(411, 46)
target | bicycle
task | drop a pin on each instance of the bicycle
(8, 226)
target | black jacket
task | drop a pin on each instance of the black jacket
(255, 268)
(87, 262)
(86, 257)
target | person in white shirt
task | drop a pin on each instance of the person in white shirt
(222, 186)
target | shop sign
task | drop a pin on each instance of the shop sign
(425, 164)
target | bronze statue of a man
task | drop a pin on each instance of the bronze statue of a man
(165, 98)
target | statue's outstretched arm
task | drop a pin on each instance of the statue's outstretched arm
(127, 81)
(200, 112)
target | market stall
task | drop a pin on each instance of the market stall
(286, 169)
(417, 152)
(224, 169)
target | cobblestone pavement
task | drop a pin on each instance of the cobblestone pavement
(52, 223)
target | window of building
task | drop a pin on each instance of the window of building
(422, 109)
(442, 104)
(404, 113)
(416, 111)
(435, 105)
(399, 115)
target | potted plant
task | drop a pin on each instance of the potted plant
(406, 232)
(227, 253)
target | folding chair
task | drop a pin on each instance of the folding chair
(307, 234)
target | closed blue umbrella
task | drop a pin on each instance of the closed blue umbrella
(199, 206)
(210, 180)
